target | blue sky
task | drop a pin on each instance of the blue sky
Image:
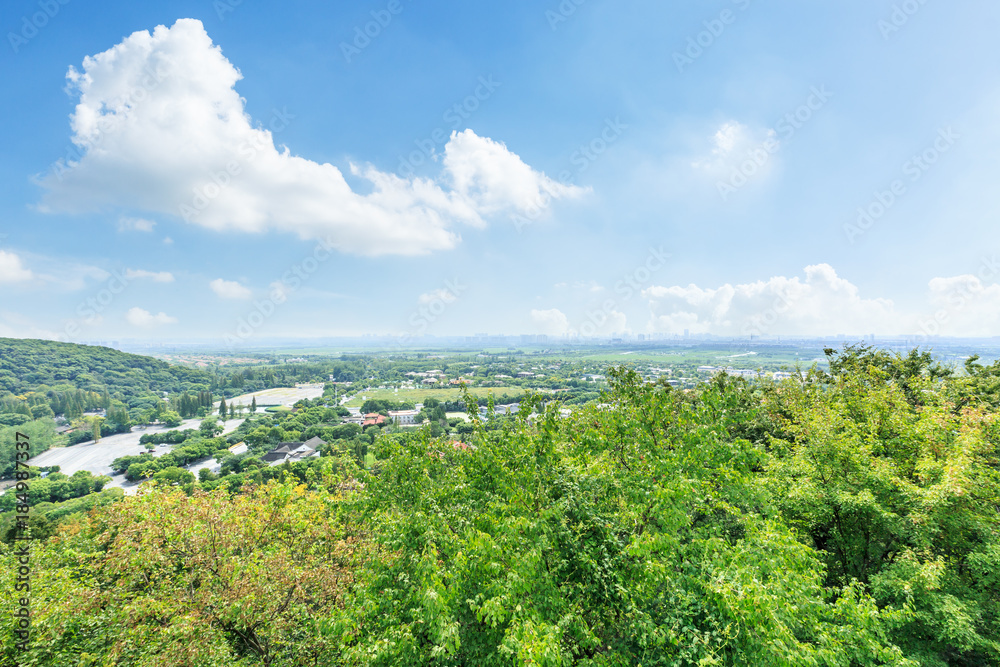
(235, 170)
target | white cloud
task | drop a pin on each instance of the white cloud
(738, 149)
(143, 318)
(135, 224)
(163, 130)
(961, 306)
(822, 304)
(12, 270)
(159, 277)
(485, 172)
(591, 286)
(552, 322)
(229, 289)
(445, 295)
(15, 325)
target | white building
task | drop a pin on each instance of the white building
(403, 417)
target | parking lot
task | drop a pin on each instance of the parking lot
(97, 457)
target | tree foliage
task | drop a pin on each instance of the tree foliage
(841, 518)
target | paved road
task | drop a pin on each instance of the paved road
(97, 457)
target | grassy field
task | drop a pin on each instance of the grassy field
(422, 394)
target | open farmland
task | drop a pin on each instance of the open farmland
(422, 394)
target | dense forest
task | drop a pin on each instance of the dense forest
(30, 365)
(847, 517)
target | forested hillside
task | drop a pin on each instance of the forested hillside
(42, 366)
(848, 518)
(64, 374)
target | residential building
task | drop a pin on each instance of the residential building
(404, 417)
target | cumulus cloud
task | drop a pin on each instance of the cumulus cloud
(135, 224)
(963, 306)
(12, 270)
(155, 276)
(445, 295)
(143, 318)
(229, 289)
(821, 304)
(162, 129)
(738, 154)
(552, 322)
(486, 173)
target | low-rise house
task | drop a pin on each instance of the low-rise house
(239, 448)
(373, 419)
(511, 409)
(290, 452)
(404, 417)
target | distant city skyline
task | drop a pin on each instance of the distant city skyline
(234, 172)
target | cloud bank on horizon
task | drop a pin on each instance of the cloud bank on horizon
(821, 303)
(161, 129)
